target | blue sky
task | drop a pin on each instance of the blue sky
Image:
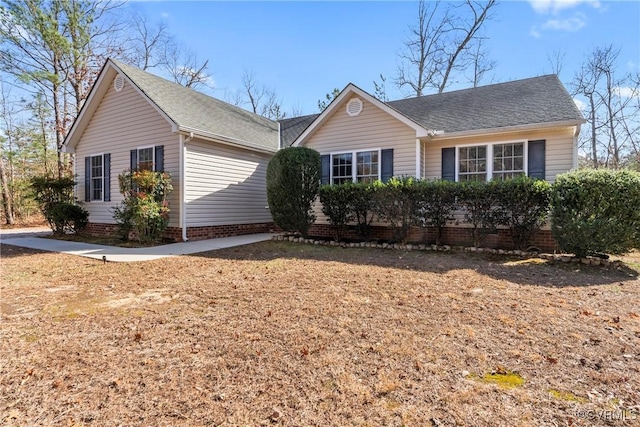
(304, 49)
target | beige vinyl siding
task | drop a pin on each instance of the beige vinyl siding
(123, 121)
(371, 129)
(558, 150)
(225, 185)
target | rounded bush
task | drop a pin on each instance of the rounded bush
(596, 211)
(293, 179)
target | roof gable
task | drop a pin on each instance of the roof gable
(337, 102)
(186, 110)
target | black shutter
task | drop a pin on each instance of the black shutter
(159, 157)
(449, 164)
(107, 177)
(87, 179)
(133, 165)
(325, 169)
(536, 155)
(387, 164)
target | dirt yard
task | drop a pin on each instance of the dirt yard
(296, 335)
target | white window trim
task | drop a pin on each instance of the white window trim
(153, 156)
(91, 199)
(490, 145)
(354, 168)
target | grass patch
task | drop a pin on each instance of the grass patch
(566, 396)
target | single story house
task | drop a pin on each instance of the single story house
(217, 153)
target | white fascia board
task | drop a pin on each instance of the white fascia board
(225, 140)
(352, 89)
(508, 129)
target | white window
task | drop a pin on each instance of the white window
(145, 159)
(508, 160)
(97, 177)
(491, 161)
(367, 166)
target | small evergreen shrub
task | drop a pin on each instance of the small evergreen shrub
(58, 205)
(478, 200)
(522, 206)
(363, 203)
(596, 211)
(396, 205)
(436, 204)
(337, 206)
(293, 180)
(145, 208)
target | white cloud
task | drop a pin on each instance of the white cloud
(165, 15)
(628, 92)
(581, 105)
(555, 6)
(569, 24)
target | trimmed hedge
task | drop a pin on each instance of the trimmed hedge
(596, 211)
(58, 204)
(593, 211)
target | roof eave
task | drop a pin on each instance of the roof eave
(225, 140)
(507, 129)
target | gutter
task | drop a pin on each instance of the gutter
(439, 135)
(226, 140)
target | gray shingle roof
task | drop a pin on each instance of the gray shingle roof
(204, 114)
(536, 100)
(291, 128)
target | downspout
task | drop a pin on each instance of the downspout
(418, 174)
(183, 185)
(576, 133)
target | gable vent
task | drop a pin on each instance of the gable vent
(354, 107)
(118, 83)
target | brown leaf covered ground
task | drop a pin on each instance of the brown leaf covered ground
(298, 335)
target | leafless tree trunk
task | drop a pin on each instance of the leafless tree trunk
(6, 193)
(441, 44)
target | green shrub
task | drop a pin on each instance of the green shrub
(436, 204)
(363, 202)
(522, 205)
(395, 205)
(478, 200)
(596, 211)
(337, 207)
(58, 205)
(145, 208)
(293, 179)
(69, 217)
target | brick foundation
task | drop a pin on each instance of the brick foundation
(453, 236)
(174, 234)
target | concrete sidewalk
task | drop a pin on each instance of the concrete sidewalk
(25, 238)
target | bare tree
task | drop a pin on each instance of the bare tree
(613, 109)
(556, 61)
(185, 68)
(148, 43)
(481, 64)
(258, 98)
(441, 44)
(380, 89)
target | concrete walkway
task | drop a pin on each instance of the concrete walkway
(27, 238)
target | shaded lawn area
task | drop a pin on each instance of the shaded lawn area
(295, 335)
